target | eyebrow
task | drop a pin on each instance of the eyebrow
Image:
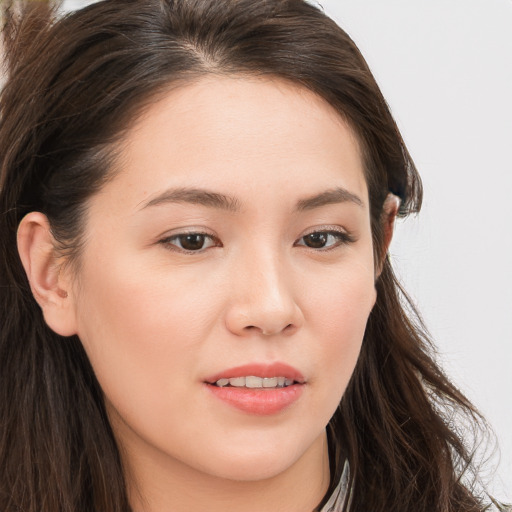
(216, 200)
(332, 196)
(196, 196)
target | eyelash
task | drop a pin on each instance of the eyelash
(168, 242)
(341, 238)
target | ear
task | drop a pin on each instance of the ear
(44, 268)
(388, 216)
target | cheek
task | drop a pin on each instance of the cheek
(338, 324)
(140, 333)
(125, 296)
(339, 300)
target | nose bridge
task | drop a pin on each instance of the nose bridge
(263, 297)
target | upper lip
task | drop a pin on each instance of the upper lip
(264, 370)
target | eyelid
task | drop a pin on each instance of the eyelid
(332, 228)
(327, 229)
(345, 237)
(165, 239)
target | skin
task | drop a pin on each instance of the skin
(156, 320)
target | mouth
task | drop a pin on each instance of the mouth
(258, 389)
(258, 376)
(254, 382)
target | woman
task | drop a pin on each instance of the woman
(199, 314)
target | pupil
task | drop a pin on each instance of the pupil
(316, 240)
(192, 242)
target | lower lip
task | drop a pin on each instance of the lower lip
(260, 401)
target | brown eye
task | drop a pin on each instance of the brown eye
(324, 239)
(316, 240)
(193, 242)
(190, 242)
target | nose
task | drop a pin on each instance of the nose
(263, 299)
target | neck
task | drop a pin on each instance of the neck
(157, 486)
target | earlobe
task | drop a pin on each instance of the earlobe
(388, 216)
(51, 289)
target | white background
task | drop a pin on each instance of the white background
(445, 67)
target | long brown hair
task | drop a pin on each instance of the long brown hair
(75, 83)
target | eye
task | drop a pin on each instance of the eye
(324, 239)
(190, 242)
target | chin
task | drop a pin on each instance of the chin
(251, 469)
(256, 461)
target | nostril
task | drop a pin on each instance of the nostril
(285, 329)
(289, 329)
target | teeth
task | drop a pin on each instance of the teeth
(270, 383)
(238, 382)
(253, 382)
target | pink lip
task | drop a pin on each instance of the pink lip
(260, 401)
(259, 370)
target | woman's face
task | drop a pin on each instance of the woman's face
(227, 278)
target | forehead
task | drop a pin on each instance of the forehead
(244, 133)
